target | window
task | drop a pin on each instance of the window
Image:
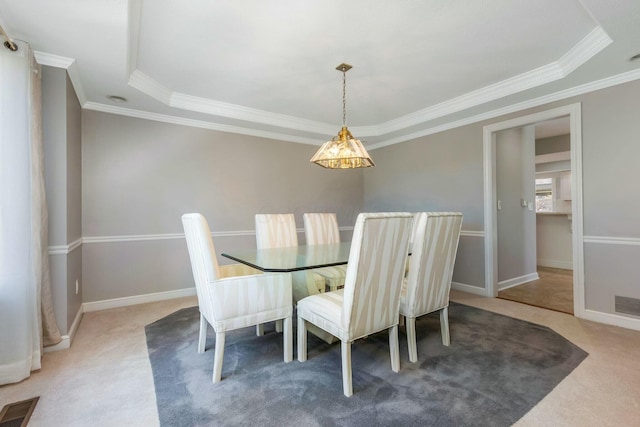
(544, 195)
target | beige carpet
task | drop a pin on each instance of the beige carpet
(105, 378)
(553, 291)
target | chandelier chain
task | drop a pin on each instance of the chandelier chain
(344, 98)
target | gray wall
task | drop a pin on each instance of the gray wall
(442, 172)
(432, 171)
(611, 185)
(516, 225)
(553, 144)
(61, 121)
(140, 176)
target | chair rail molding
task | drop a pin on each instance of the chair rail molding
(65, 249)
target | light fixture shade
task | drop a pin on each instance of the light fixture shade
(342, 152)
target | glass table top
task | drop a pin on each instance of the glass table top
(294, 258)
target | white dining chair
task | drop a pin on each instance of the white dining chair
(428, 283)
(322, 229)
(370, 299)
(279, 231)
(233, 302)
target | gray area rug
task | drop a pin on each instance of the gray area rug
(495, 370)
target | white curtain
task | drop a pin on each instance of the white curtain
(24, 263)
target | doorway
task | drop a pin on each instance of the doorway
(490, 197)
(536, 161)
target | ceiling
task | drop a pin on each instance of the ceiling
(267, 67)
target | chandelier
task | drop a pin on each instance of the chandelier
(343, 151)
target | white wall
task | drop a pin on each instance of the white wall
(554, 244)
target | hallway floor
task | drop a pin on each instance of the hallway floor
(554, 290)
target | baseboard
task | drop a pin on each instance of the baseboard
(612, 319)
(67, 340)
(506, 284)
(566, 265)
(469, 289)
(137, 299)
(62, 345)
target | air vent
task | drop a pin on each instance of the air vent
(17, 414)
(626, 305)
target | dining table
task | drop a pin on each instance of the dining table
(299, 261)
(292, 258)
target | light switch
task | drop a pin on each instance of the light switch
(499, 205)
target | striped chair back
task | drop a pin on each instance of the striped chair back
(276, 231)
(375, 272)
(321, 228)
(432, 260)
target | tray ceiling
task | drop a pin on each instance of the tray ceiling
(267, 68)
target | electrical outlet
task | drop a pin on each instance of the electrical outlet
(77, 287)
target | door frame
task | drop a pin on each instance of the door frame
(490, 197)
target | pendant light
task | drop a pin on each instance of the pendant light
(343, 151)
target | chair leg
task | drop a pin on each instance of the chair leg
(279, 325)
(444, 326)
(394, 348)
(260, 330)
(410, 326)
(287, 338)
(202, 336)
(347, 385)
(218, 357)
(302, 339)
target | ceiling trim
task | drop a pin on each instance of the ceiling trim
(520, 106)
(149, 86)
(71, 66)
(165, 118)
(589, 46)
(233, 111)
(585, 49)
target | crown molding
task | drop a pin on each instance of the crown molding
(585, 49)
(588, 47)
(51, 60)
(134, 18)
(234, 111)
(520, 106)
(165, 118)
(70, 65)
(149, 86)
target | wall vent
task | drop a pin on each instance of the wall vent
(626, 305)
(17, 414)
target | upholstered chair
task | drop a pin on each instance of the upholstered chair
(322, 229)
(228, 302)
(278, 231)
(369, 301)
(427, 285)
